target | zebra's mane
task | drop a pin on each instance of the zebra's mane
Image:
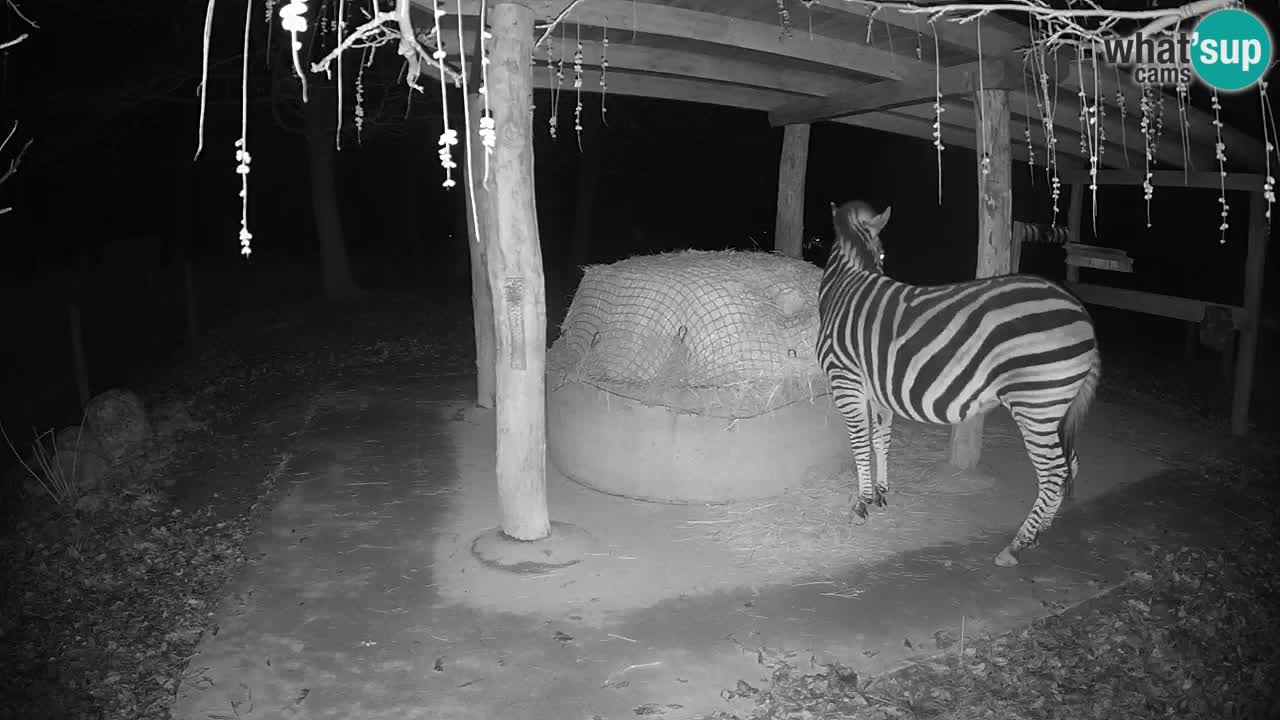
(857, 243)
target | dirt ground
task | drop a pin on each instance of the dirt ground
(366, 602)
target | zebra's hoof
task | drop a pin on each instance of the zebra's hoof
(859, 514)
(881, 500)
(1006, 558)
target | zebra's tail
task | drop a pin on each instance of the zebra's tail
(1074, 417)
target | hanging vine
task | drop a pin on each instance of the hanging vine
(1080, 26)
(604, 69)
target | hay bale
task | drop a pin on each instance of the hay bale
(724, 333)
(692, 377)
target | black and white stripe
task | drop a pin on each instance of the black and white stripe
(947, 353)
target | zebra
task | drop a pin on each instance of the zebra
(944, 354)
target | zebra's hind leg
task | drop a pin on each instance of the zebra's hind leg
(881, 419)
(1040, 435)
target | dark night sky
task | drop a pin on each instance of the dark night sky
(115, 121)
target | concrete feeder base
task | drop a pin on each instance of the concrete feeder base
(566, 545)
(623, 447)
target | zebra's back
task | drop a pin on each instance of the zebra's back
(942, 354)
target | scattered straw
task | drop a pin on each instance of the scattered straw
(809, 529)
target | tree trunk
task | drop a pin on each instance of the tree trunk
(995, 234)
(515, 275)
(319, 112)
(184, 230)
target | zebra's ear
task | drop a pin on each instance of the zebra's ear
(878, 222)
(834, 209)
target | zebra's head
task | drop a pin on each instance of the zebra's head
(858, 228)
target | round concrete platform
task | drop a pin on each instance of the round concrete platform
(566, 545)
(623, 447)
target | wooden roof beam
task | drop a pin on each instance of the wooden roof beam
(713, 93)
(1247, 182)
(1000, 36)
(762, 37)
(950, 82)
(682, 63)
(694, 26)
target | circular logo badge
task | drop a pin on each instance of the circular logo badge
(1230, 49)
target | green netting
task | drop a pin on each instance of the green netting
(723, 333)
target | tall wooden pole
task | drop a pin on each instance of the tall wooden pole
(1255, 262)
(995, 232)
(788, 236)
(515, 276)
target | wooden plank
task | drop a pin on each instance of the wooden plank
(951, 82)
(995, 234)
(625, 16)
(515, 274)
(1255, 264)
(1148, 303)
(713, 93)
(1249, 182)
(999, 35)
(697, 66)
(788, 237)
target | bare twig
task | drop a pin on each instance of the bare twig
(17, 11)
(10, 43)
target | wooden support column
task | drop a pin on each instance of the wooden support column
(1075, 220)
(480, 227)
(514, 263)
(995, 233)
(1255, 262)
(788, 235)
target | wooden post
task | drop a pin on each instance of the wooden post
(1075, 218)
(514, 261)
(995, 233)
(788, 235)
(1255, 262)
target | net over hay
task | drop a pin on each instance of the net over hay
(727, 333)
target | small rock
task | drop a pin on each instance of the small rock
(119, 420)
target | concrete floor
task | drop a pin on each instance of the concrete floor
(366, 602)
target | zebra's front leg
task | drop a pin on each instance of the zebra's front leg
(881, 434)
(857, 420)
(861, 445)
